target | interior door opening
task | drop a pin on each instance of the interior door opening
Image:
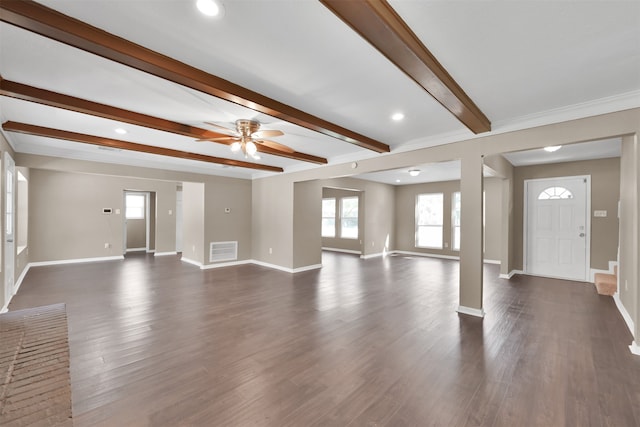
(139, 221)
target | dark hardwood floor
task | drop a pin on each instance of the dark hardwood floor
(157, 342)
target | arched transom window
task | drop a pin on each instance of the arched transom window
(555, 193)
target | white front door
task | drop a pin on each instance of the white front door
(557, 227)
(9, 225)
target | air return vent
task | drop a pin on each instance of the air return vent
(223, 251)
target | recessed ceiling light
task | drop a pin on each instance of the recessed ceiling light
(414, 172)
(121, 131)
(208, 7)
(552, 148)
(397, 180)
(397, 117)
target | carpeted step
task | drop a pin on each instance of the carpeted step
(606, 284)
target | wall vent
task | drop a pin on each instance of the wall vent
(223, 251)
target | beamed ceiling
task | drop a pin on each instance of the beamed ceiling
(328, 73)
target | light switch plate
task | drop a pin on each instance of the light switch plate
(601, 214)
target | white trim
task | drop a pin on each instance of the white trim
(478, 312)
(165, 253)
(151, 251)
(510, 275)
(346, 251)
(76, 261)
(426, 254)
(635, 348)
(587, 231)
(190, 261)
(136, 249)
(625, 314)
(368, 256)
(286, 269)
(225, 264)
(492, 261)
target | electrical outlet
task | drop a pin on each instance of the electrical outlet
(446, 245)
(626, 286)
(270, 251)
(107, 245)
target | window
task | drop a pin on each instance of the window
(349, 217)
(134, 206)
(555, 193)
(429, 215)
(455, 221)
(328, 217)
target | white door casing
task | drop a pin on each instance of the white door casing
(557, 227)
(10, 223)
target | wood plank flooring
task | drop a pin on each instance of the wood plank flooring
(158, 342)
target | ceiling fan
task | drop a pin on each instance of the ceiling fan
(248, 136)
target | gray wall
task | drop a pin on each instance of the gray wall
(605, 191)
(136, 233)
(307, 217)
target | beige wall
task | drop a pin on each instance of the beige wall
(405, 217)
(193, 221)
(605, 186)
(136, 233)
(337, 242)
(628, 271)
(220, 226)
(307, 216)
(66, 219)
(493, 219)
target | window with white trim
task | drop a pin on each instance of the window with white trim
(429, 220)
(134, 206)
(455, 221)
(329, 217)
(349, 217)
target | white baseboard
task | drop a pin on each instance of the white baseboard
(635, 348)
(346, 251)
(425, 254)
(471, 311)
(76, 261)
(165, 253)
(368, 256)
(492, 261)
(286, 269)
(190, 261)
(511, 274)
(625, 314)
(224, 264)
(136, 249)
(151, 251)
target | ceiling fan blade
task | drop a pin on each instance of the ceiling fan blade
(223, 129)
(267, 133)
(222, 139)
(276, 146)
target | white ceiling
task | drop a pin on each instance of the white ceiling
(517, 60)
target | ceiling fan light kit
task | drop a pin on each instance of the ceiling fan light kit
(248, 136)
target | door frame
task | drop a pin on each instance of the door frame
(587, 226)
(9, 241)
(147, 222)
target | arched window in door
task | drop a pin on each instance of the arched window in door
(552, 193)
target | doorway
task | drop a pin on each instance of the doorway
(557, 232)
(139, 221)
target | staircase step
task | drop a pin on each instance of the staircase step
(606, 284)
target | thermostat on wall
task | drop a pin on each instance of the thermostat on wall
(106, 211)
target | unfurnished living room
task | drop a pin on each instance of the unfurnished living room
(319, 213)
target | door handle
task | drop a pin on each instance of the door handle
(581, 234)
